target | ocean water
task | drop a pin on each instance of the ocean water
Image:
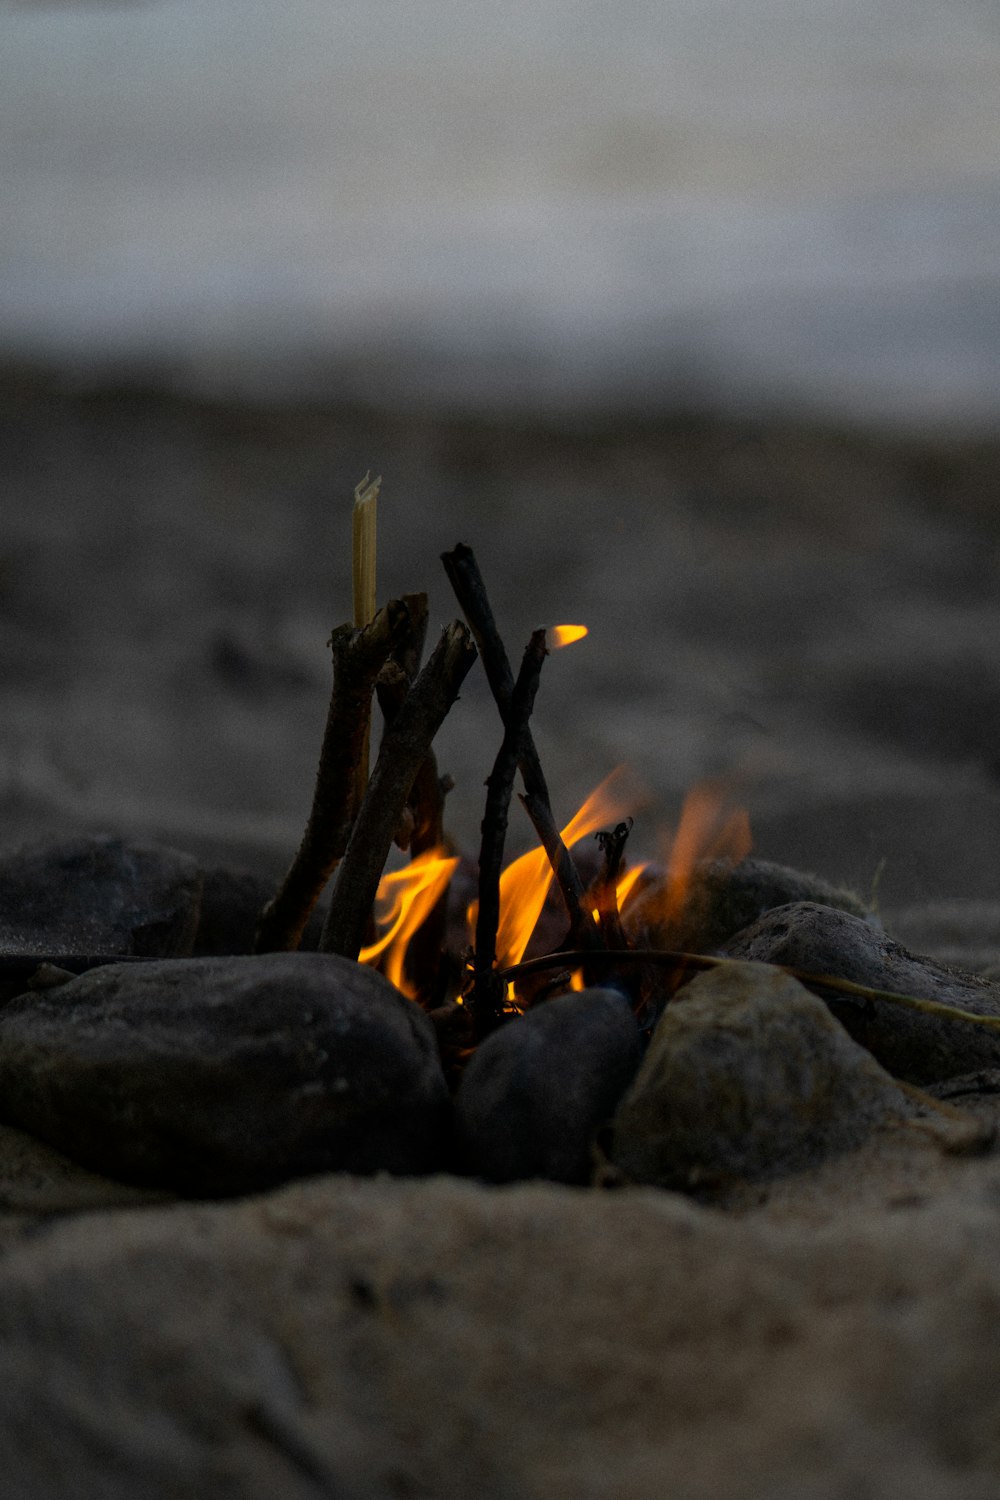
(759, 203)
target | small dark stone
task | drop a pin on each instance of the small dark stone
(218, 1076)
(99, 895)
(536, 1091)
(911, 1044)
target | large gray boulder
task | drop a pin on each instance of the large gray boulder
(216, 1076)
(748, 1076)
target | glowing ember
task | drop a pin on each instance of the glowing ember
(708, 830)
(558, 636)
(525, 884)
(403, 901)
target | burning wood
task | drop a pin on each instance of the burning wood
(537, 1092)
(358, 657)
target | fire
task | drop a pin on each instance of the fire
(403, 900)
(627, 883)
(558, 636)
(525, 884)
(707, 830)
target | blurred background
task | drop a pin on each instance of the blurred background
(684, 314)
(753, 202)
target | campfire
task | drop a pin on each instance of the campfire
(691, 1020)
(472, 976)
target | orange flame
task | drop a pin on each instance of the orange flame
(525, 884)
(403, 900)
(707, 830)
(626, 883)
(558, 636)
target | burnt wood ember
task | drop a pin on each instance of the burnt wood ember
(358, 656)
(537, 1091)
(910, 1044)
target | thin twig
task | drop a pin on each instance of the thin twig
(404, 747)
(488, 993)
(679, 962)
(470, 591)
(358, 656)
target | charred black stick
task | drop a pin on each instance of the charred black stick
(488, 991)
(358, 656)
(605, 888)
(402, 752)
(470, 591)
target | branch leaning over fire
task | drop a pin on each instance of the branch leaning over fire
(470, 591)
(358, 656)
(488, 991)
(402, 752)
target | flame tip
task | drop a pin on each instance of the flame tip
(557, 636)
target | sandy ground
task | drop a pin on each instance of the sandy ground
(810, 614)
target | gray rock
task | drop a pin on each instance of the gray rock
(216, 1076)
(722, 899)
(537, 1090)
(231, 903)
(911, 1044)
(99, 895)
(748, 1076)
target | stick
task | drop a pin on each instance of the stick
(470, 591)
(422, 824)
(425, 804)
(404, 747)
(364, 532)
(605, 888)
(664, 958)
(358, 656)
(364, 519)
(488, 992)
